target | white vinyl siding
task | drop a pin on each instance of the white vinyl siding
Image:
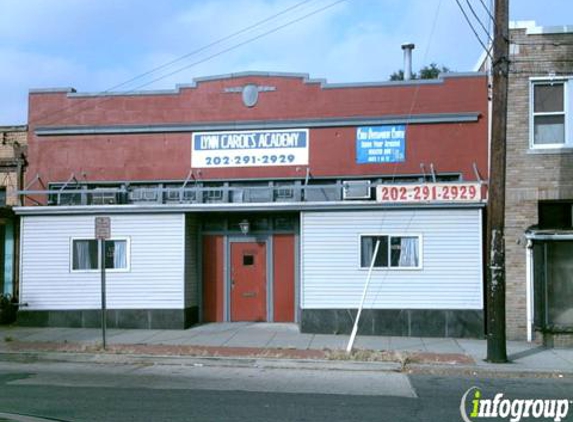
(155, 279)
(450, 278)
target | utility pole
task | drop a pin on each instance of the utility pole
(495, 285)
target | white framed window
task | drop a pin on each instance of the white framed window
(85, 254)
(394, 252)
(550, 118)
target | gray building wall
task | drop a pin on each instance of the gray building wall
(532, 175)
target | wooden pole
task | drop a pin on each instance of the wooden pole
(495, 285)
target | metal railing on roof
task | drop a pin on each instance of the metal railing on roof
(225, 193)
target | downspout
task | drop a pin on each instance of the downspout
(529, 288)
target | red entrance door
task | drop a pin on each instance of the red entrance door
(248, 281)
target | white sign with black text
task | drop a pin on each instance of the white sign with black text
(257, 148)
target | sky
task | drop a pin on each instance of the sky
(102, 45)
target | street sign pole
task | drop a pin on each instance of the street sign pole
(103, 299)
(102, 233)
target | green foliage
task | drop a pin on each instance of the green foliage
(431, 71)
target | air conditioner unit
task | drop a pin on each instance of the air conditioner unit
(356, 189)
(143, 194)
(103, 198)
(172, 195)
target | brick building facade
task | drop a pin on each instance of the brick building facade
(260, 197)
(539, 184)
(13, 145)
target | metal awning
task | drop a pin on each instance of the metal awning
(233, 207)
(548, 234)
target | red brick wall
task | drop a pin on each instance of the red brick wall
(450, 147)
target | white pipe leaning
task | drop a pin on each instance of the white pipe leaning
(355, 328)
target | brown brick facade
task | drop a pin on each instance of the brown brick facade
(532, 175)
(13, 145)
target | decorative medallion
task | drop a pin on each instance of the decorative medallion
(250, 93)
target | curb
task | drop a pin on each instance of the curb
(215, 361)
(436, 369)
(485, 371)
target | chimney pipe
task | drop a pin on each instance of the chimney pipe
(408, 47)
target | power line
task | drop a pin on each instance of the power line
(234, 47)
(212, 44)
(473, 29)
(479, 20)
(201, 49)
(487, 10)
(170, 63)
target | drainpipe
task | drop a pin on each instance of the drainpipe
(529, 288)
(408, 47)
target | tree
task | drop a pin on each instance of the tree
(431, 71)
(399, 76)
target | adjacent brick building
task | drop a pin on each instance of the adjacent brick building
(539, 184)
(13, 144)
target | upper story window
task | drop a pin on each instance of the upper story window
(549, 114)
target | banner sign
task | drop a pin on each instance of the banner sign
(429, 193)
(258, 148)
(380, 144)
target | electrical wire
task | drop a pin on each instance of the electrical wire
(487, 50)
(170, 63)
(487, 10)
(201, 49)
(477, 18)
(376, 293)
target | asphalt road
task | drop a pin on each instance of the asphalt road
(97, 392)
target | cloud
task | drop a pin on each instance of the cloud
(95, 45)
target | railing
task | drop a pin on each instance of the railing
(188, 195)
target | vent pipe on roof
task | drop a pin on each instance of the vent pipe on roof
(408, 60)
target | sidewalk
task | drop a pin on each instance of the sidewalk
(284, 342)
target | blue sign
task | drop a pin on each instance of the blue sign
(380, 144)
